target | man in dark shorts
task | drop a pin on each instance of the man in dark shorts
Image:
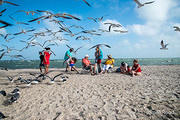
(98, 58)
(41, 56)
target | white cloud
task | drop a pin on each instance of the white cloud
(157, 11)
(157, 18)
(149, 29)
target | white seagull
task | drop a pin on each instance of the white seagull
(141, 5)
(164, 46)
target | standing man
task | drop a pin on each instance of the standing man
(98, 58)
(67, 58)
(41, 56)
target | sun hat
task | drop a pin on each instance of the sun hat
(87, 55)
(110, 56)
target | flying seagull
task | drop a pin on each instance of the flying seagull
(3, 1)
(141, 5)
(112, 25)
(87, 3)
(176, 28)
(2, 12)
(74, 49)
(98, 45)
(24, 31)
(164, 46)
(5, 24)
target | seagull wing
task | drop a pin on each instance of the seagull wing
(137, 2)
(2, 12)
(2, 55)
(72, 16)
(162, 43)
(149, 2)
(87, 3)
(77, 49)
(5, 24)
(68, 46)
(11, 3)
(57, 76)
(36, 19)
(166, 45)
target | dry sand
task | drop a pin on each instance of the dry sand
(153, 96)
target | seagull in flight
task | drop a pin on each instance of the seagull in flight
(87, 3)
(3, 1)
(176, 28)
(141, 5)
(2, 12)
(112, 25)
(5, 24)
(98, 45)
(75, 51)
(164, 46)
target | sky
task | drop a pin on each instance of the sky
(146, 27)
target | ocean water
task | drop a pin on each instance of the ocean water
(33, 64)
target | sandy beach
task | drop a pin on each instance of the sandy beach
(153, 96)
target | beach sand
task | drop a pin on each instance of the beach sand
(153, 96)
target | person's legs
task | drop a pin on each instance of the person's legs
(46, 69)
(40, 68)
(107, 67)
(67, 65)
(104, 69)
(137, 73)
(73, 67)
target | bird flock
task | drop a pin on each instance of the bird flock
(59, 20)
(32, 34)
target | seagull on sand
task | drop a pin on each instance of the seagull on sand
(98, 45)
(141, 5)
(2, 116)
(3, 92)
(52, 79)
(176, 28)
(3, 1)
(164, 46)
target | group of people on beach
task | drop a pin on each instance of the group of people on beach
(95, 68)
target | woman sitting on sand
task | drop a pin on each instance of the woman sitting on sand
(136, 69)
(72, 61)
(109, 63)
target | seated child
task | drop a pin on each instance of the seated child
(136, 69)
(72, 61)
(109, 63)
(123, 68)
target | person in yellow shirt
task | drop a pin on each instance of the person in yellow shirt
(109, 63)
